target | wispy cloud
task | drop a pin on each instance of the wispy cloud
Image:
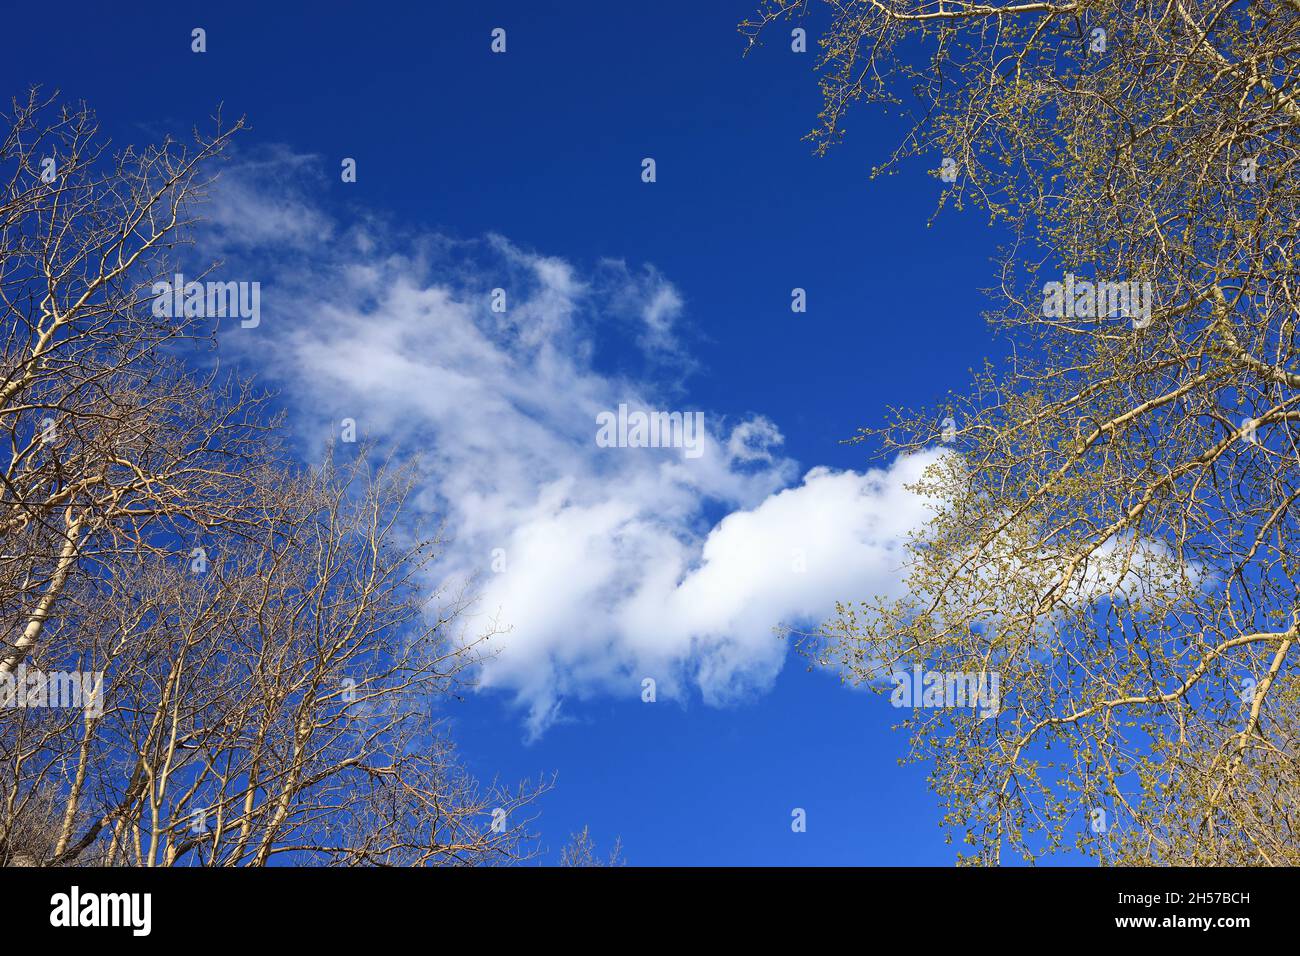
(609, 565)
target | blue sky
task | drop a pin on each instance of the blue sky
(474, 166)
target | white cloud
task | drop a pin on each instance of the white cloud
(651, 302)
(260, 203)
(617, 564)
